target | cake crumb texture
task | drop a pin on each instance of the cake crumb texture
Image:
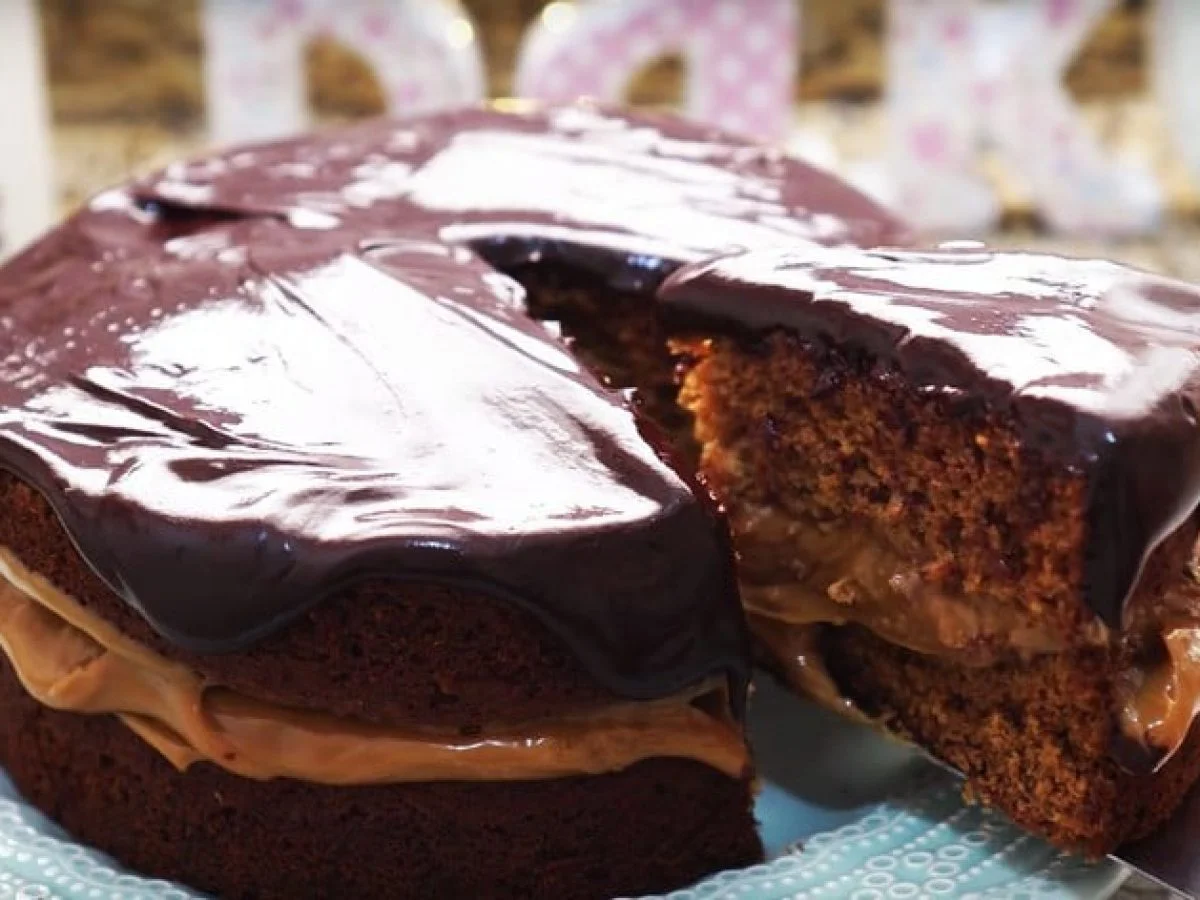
(827, 437)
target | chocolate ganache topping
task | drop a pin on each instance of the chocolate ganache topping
(1099, 364)
(250, 379)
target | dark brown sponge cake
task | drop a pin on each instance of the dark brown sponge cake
(965, 484)
(292, 474)
(1027, 736)
(234, 837)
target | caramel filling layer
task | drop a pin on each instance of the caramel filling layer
(798, 659)
(802, 573)
(798, 575)
(70, 659)
(1160, 703)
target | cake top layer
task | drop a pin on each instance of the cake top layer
(1099, 363)
(251, 379)
(1090, 334)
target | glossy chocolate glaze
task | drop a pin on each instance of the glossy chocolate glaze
(251, 379)
(1099, 364)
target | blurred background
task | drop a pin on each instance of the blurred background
(125, 89)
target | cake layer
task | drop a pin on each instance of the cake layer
(617, 333)
(251, 381)
(1093, 367)
(653, 827)
(416, 653)
(72, 660)
(1031, 738)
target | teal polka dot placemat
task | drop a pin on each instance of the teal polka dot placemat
(845, 813)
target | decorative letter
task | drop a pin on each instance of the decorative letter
(741, 56)
(961, 73)
(1175, 58)
(26, 188)
(422, 51)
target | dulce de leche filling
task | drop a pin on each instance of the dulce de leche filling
(70, 659)
(803, 573)
(1160, 702)
(798, 576)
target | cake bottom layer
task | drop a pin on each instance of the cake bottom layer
(658, 825)
(1034, 739)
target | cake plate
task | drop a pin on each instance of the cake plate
(845, 813)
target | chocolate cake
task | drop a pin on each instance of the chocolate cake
(964, 487)
(328, 568)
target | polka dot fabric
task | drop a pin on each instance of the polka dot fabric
(741, 56)
(964, 77)
(424, 54)
(925, 845)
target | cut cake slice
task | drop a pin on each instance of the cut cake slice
(963, 487)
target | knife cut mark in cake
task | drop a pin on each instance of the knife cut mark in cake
(285, 455)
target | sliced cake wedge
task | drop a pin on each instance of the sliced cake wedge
(963, 488)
